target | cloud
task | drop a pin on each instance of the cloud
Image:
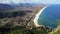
(5, 1)
(50, 1)
(31, 1)
(18, 1)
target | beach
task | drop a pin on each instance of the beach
(37, 16)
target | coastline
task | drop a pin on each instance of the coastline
(37, 16)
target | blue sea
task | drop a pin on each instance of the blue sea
(50, 16)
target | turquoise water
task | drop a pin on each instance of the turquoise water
(50, 16)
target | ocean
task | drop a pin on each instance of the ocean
(50, 16)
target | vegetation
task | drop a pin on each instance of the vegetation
(10, 29)
(55, 31)
(10, 24)
(27, 31)
(21, 30)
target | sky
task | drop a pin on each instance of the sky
(31, 1)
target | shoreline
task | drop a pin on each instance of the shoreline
(37, 16)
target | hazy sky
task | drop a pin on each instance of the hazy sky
(31, 1)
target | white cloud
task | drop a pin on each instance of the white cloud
(36, 0)
(50, 1)
(31, 1)
(18, 1)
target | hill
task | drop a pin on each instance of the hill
(17, 17)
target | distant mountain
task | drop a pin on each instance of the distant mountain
(29, 6)
(4, 7)
(20, 7)
(26, 4)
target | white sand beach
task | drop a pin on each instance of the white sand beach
(37, 16)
